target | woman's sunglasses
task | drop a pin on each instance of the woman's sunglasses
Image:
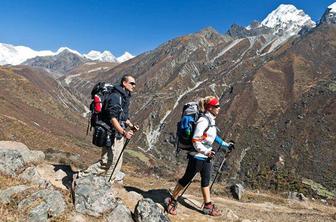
(216, 106)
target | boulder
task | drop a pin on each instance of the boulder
(29, 156)
(10, 161)
(58, 179)
(43, 204)
(230, 215)
(31, 174)
(147, 211)
(39, 213)
(296, 196)
(120, 213)
(6, 194)
(237, 191)
(93, 195)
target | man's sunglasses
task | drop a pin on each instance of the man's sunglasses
(216, 106)
(132, 83)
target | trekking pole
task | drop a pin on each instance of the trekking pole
(185, 189)
(87, 129)
(115, 166)
(220, 168)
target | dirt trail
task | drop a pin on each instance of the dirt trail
(254, 206)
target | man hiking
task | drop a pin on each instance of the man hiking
(116, 115)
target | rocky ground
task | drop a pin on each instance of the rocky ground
(33, 190)
(254, 205)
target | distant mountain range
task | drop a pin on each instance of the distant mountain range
(15, 55)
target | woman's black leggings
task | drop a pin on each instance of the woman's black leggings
(195, 166)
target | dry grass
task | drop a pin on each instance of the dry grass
(7, 214)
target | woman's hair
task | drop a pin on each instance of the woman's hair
(202, 104)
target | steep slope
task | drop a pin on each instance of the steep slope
(36, 110)
(285, 109)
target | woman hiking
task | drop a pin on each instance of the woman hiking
(200, 159)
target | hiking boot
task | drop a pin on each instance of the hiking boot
(212, 210)
(171, 205)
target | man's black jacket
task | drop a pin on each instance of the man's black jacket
(116, 106)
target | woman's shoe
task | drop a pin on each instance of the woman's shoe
(212, 210)
(171, 205)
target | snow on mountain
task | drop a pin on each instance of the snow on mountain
(66, 48)
(287, 20)
(105, 56)
(329, 15)
(15, 55)
(126, 56)
(332, 7)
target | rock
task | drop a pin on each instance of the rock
(32, 174)
(301, 197)
(60, 174)
(5, 195)
(300, 116)
(39, 213)
(119, 176)
(245, 220)
(237, 191)
(296, 196)
(231, 216)
(292, 195)
(29, 156)
(53, 199)
(48, 173)
(146, 210)
(77, 218)
(10, 161)
(93, 196)
(120, 213)
(135, 195)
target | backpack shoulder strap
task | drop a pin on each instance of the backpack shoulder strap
(209, 123)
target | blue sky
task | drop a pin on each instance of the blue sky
(134, 26)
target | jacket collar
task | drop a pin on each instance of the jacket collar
(210, 115)
(122, 91)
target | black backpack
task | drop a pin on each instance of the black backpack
(102, 131)
(186, 126)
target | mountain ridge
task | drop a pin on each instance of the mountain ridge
(15, 55)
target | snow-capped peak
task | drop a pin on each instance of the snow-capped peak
(287, 19)
(67, 49)
(126, 56)
(105, 56)
(14, 55)
(332, 7)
